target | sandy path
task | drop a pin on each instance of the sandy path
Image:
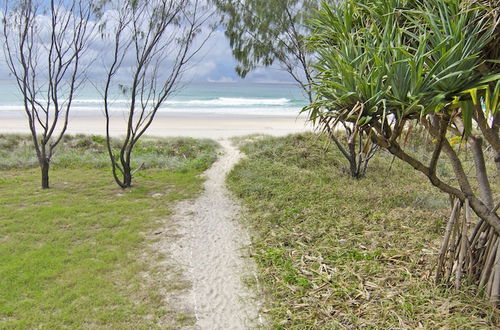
(211, 251)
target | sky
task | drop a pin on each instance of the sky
(215, 63)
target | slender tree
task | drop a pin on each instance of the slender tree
(151, 42)
(387, 65)
(262, 33)
(44, 42)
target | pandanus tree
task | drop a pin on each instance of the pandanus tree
(44, 46)
(387, 66)
(151, 43)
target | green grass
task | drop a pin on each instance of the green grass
(334, 252)
(78, 255)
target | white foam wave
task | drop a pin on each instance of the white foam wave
(232, 101)
(221, 101)
(98, 101)
(250, 110)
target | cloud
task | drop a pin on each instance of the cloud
(222, 80)
(214, 63)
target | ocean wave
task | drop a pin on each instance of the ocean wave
(193, 110)
(232, 101)
(165, 107)
(218, 102)
(221, 101)
(99, 101)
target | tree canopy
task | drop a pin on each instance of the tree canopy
(263, 32)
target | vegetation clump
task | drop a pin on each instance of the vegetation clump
(175, 154)
(334, 252)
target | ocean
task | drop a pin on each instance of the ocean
(194, 100)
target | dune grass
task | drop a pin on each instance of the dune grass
(335, 252)
(77, 255)
(178, 154)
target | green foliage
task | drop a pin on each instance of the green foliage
(261, 32)
(334, 252)
(406, 58)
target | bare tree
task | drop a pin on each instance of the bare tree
(44, 42)
(152, 43)
(355, 145)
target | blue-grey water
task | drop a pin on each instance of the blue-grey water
(206, 99)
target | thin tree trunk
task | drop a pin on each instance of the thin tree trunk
(353, 168)
(44, 166)
(476, 144)
(495, 291)
(455, 213)
(463, 248)
(127, 175)
(349, 154)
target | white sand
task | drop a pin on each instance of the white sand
(195, 126)
(210, 250)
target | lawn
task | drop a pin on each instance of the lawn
(335, 252)
(77, 255)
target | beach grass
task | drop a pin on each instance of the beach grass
(78, 255)
(336, 252)
(89, 151)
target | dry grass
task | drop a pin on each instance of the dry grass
(334, 252)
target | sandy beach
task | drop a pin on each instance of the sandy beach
(201, 126)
